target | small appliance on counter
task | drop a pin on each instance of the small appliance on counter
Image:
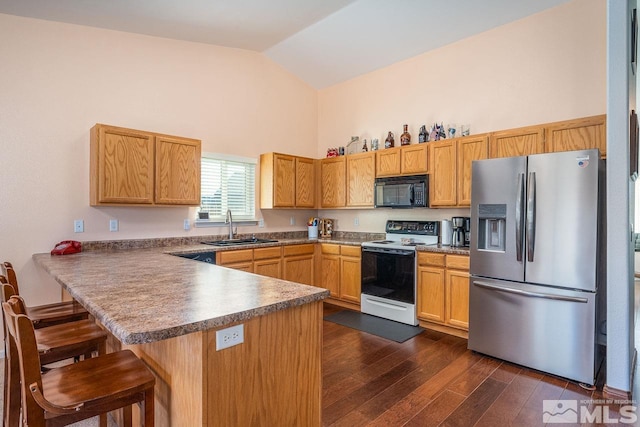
(457, 237)
(326, 228)
(445, 232)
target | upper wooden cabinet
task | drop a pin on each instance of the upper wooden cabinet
(133, 167)
(579, 134)
(517, 142)
(332, 182)
(405, 160)
(286, 181)
(450, 178)
(361, 176)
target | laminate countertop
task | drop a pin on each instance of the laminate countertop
(147, 295)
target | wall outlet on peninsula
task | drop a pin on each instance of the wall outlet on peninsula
(229, 337)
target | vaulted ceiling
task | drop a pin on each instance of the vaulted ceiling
(324, 42)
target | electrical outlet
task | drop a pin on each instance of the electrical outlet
(78, 226)
(229, 337)
(356, 221)
(261, 223)
(113, 225)
(187, 224)
(292, 220)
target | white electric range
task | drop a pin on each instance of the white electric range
(388, 285)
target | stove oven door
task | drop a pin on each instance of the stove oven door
(388, 283)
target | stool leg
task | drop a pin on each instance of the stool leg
(103, 420)
(12, 380)
(126, 416)
(148, 408)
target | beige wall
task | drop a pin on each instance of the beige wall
(58, 80)
(547, 67)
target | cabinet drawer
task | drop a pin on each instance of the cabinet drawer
(328, 248)
(266, 253)
(429, 258)
(226, 257)
(298, 250)
(459, 262)
(351, 250)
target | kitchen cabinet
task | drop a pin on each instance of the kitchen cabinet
(450, 178)
(361, 175)
(333, 182)
(443, 289)
(134, 167)
(298, 263)
(268, 261)
(286, 181)
(579, 134)
(340, 271)
(404, 160)
(263, 261)
(517, 142)
(241, 259)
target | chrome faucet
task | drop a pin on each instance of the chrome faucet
(229, 220)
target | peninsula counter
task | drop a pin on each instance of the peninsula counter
(167, 309)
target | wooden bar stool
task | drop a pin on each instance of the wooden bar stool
(48, 314)
(54, 343)
(78, 391)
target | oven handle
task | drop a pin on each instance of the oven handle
(400, 252)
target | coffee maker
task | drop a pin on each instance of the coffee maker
(458, 235)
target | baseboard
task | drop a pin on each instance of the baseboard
(445, 329)
(614, 393)
(343, 304)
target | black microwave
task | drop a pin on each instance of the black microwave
(402, 192)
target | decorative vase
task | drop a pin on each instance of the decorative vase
(388, 143)
(405, 138)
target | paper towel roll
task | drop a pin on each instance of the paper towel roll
(445, 232)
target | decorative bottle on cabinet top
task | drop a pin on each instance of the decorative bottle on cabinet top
(388, 143)
(405, 138)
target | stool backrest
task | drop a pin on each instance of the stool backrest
(6, 268)
(22, 339)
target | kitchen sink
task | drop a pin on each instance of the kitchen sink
(238, 242)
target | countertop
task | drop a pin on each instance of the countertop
(147, 295)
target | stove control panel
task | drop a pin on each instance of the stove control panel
(427, 228)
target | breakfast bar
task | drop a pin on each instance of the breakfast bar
(167, 310)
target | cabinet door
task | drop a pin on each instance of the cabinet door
(361, 175)
(457, 298)
(580, 134)
(431, 294)
(388, 162)
(517, 142)
(284, 175)
(350, 278)
(414, 159)
(442, 181)
(298, 263)
(469, 149)
(305, 183)
(330, 268)
(122, 164)
(177, 171)
(268, 261)
(333, 175)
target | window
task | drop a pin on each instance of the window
(228, 183)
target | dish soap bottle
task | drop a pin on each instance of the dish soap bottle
(405, 138)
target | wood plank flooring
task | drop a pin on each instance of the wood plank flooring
(430, 380)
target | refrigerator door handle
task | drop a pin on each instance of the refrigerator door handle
(530, 294)
(531, 216)
(519, 216)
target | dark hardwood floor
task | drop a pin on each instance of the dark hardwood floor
(431, 380)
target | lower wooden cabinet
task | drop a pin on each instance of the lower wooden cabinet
(241, 259)
(298, 263)
(340, 271)
(264, 261)
(443, 289)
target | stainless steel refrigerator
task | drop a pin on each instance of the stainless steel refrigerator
(536, 292)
